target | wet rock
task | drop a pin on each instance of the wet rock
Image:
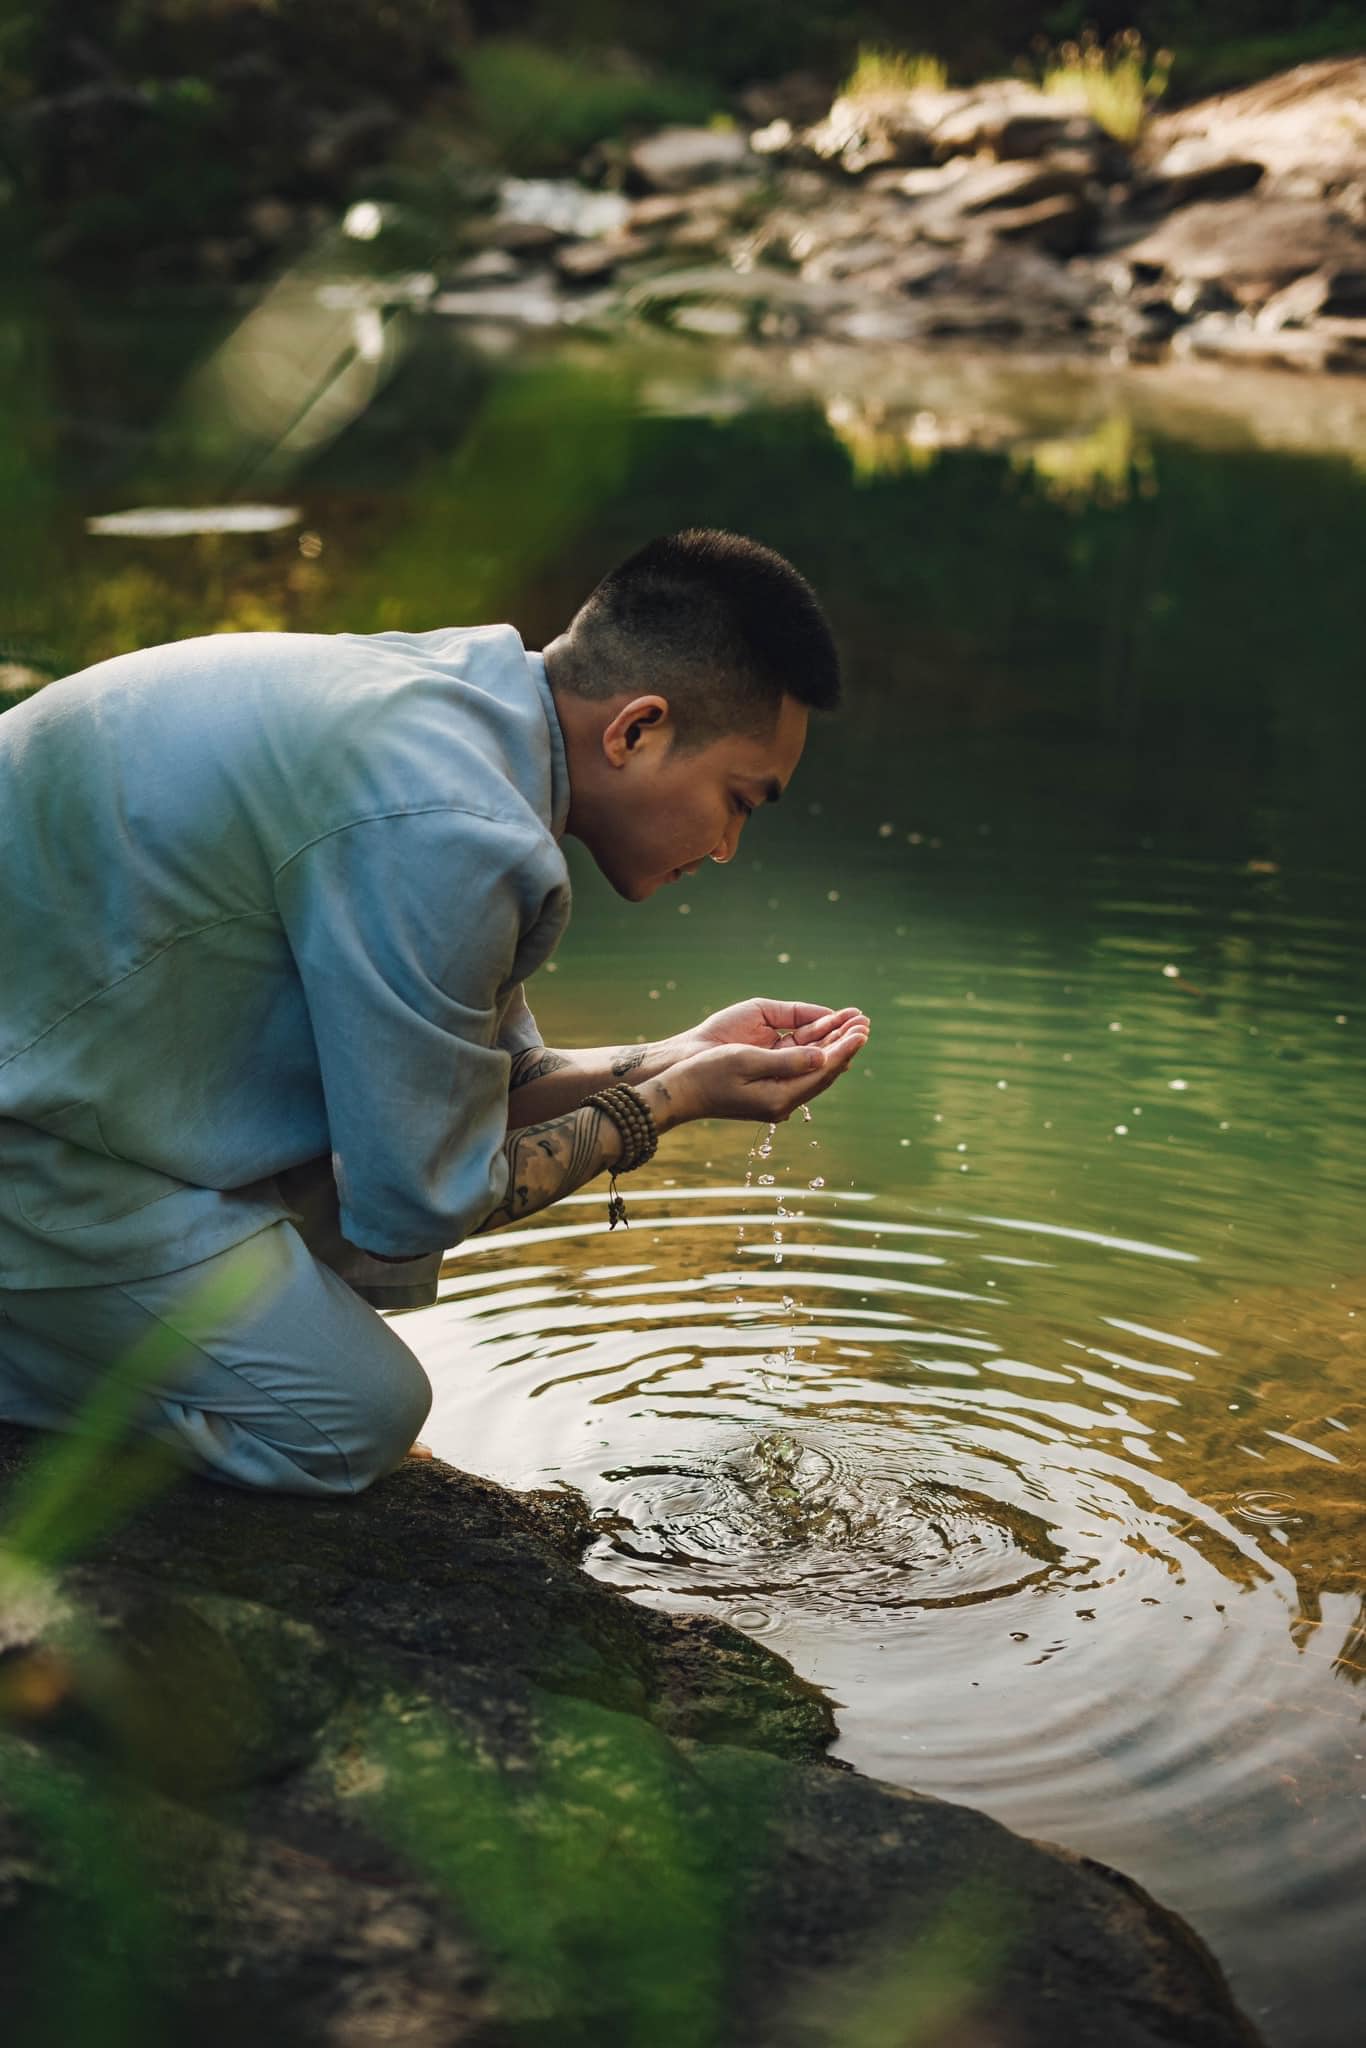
(677, 158)
(393, 1770)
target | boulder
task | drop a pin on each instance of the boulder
(871, 131)
(1306, 127)
(677, 158)
(1193, 170)
(1253, 247)
(1062, 225)
(1011, 120)
(393, 1769)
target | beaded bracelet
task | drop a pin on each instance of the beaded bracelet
(639, 1134)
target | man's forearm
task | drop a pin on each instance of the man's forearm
(546, 1083)
(550, 1159)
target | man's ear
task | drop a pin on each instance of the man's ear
(624, 733)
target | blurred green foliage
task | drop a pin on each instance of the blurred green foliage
(131, 129)
(539, 109)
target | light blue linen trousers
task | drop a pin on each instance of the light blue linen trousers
(260, 1366)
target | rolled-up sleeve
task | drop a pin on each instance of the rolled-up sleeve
(405, 931)
(517, 1028)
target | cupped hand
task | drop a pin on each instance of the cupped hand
(765, 1084)
(766, 1021)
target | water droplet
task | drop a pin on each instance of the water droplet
(1172, 973)
(885, 831)
(1003, 1084)
(685, 909)
(1121, 1130)
(832, 895)
(1178, 1087)
(783, 959)
(654, 995)
(903, 1141)
(1112, 1026)
(818, 1182)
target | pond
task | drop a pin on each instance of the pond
(1016, 1395)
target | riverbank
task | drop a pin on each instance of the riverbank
(998, 216)
(395, 1769)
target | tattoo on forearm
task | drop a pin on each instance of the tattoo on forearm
(627, 1058)
(532, 1065)
(548, 1160)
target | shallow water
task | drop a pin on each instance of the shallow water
(1037, 1439)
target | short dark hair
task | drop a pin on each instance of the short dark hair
(723, 627)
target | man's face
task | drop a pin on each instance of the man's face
(665, 810)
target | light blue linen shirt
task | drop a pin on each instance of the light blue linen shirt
(263, 897)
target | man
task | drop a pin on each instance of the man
(267, 902)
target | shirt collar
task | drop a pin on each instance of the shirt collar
(559, 763)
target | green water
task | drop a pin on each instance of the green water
(1015, 1397)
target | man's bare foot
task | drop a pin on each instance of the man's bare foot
(421, 1450)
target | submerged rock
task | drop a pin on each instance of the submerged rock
(394, 1769)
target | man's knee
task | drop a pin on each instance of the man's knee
(390, 1411)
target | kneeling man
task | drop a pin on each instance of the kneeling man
(267, 903)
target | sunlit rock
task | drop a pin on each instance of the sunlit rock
(677, 158)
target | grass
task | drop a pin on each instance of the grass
(1118, 81)
(881, 70)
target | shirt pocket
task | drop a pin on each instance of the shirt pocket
(63, 1176)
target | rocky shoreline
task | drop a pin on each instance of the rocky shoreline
(396, 1770)
(1233, 230)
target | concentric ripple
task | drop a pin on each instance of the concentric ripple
(822, 1530)
(1036, 1442)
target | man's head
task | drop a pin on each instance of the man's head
(684, 685)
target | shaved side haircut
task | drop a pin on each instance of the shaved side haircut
(722, 627)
